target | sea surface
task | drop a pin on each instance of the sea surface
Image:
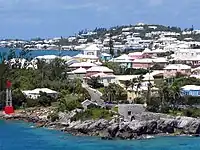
(35, 53)
(21, 136)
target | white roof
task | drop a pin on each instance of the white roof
(66, 57)
(122, 58)
(93, 47)
(86, 56)
(38, 90)
(196, 69)
(191, 87)
(100, 69)
(176, 67)
(47, 57)
(148, 77)
(79, 70)
(146, 50)
(135, 54)
(102, 75)
(105, 54)
(82, 64)
(98, 63)
(144, 60)
(126, 77)
(160, 59)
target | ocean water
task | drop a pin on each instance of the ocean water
(20, 136)
(35, 53)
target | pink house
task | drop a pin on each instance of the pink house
(136, 55)
(98, 69)
(172, 70)
(142, 63)
(146, 63)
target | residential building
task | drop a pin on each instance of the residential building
(105, 79)
(146, 63)
(127, 111)
(34, 94)
(93, 50)
(105, 57)
(98, 69)
(190, 90)
(172, 70)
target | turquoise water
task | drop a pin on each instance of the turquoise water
(20, 136)
(36, 53)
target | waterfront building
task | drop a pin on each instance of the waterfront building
(190, 90)
(34, 94)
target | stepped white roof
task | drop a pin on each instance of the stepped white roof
(93, 47)
(47, 57)
(79, 71)
(190, 87)
(177, 67)
(82, 64)
(105, 54)
(66, 57)
(103, 75)
(122, 58)
(86, 56)
(100, 69)
(135, 54)
(38, 90)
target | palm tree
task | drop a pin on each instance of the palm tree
(111, 45)
(139, 83)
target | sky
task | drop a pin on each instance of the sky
(27, 19)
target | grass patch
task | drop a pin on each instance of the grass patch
(101, 89)
(95, 113)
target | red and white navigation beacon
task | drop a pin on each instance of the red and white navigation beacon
(8, 108)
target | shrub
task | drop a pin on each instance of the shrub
(192, 112)
(95, 113)
(53, 116)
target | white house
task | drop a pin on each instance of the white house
(34, 94)
(92, 49)
(106, 79)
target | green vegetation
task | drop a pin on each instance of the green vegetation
(52, 75)
(169, 99)
(114, 93)
(132, 71)
(94, 113)
(114, 66)
(94, 82)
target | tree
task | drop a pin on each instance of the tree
(114, 66)
(94, 82)
(44, 99)
(139, 83)
(11, 54)
(111, 45)
(18, 97)
(114, 93)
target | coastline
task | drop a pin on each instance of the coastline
(162, 125)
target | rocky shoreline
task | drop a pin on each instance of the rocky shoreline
(145, 125)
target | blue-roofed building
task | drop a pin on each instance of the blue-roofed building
(190, 90)
(105, 57)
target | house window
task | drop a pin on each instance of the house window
(129, 113)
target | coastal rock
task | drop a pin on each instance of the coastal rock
(99, 125)
(167, 125)
(113, 129)
(192, 127)
(182, 122)
(151, 127)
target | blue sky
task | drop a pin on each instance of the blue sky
(53, 18)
